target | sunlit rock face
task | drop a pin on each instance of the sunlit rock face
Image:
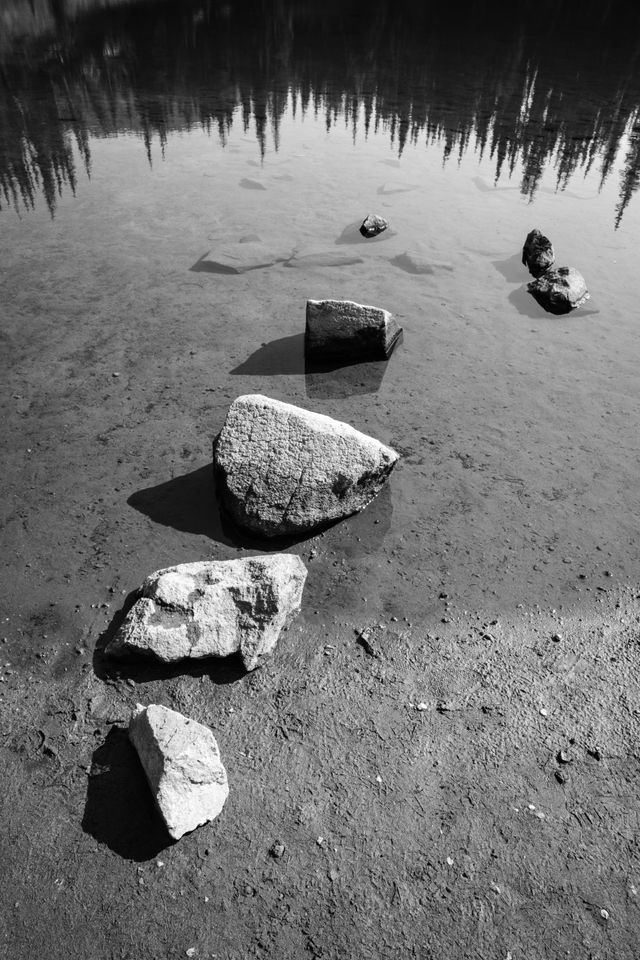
(213, 609)
(284, 470)
(181, 761)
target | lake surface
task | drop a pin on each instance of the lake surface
(176, 180)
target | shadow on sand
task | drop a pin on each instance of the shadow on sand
(328, 380)
(119, 809)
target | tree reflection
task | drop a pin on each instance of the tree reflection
(540, 85)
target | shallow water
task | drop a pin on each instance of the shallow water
(179, 178)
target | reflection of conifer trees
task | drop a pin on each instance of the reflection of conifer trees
(538, 86)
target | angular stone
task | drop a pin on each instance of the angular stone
(181, 760)
(213, 609)
(537, 253)
(282, 470)
(559, 291)
(344, 329)
(373, 225)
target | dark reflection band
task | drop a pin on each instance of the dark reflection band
(538, 85)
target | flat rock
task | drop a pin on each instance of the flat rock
(329, 259)
(181, 760)
(248, 253)
(213, 609)
(559, 291)
(537, 253)
(372, 225)
(418, 262)
(284, 470)
(344, 329)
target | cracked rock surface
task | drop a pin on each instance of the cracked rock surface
(349, 330)
(281, 469)
(213, 609)
(181, 760)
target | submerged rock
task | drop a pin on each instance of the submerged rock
(284, 470)
(559, 291)
(537, 253)
(344, 329)
(181, 760)
(213, 609)
(373, 225)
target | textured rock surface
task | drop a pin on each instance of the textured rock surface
(537, 253)
(181, 760)
(373, 225)
(342, 328)
(281, 469)
(559, 291)
(213, 609)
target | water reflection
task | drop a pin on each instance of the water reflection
(538, 85)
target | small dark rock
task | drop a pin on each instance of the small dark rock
(373, 225)
(561, 777)
(277, 850)
(595, 753)
(537, 253)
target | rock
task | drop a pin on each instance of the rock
(537, 253)
(373, 225)
(182, 763)
(348, 330)
(559, 291)
(282, 470)
(213, 609)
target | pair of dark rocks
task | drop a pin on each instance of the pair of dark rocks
(558, 291)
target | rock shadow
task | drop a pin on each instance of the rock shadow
(284, 356)
(203, 265)
(119, 810)
(512, 269)
(192, 504)
(186, 503)
(329, 379)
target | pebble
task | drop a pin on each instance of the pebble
(604, 914)
(556, 637)
(422, 706)
(544, 712)
(277, 850)
(563, 757)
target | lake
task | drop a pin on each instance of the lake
(178, 178)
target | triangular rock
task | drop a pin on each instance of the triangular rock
(213, 609)
(281, 469)
(181, 760)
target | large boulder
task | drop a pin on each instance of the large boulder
(284, 470)
(346, 330)
(181, 760)
(537, 253)
(559, 291)
(213, 609)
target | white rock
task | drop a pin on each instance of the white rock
(281, 469)
(181, 760)
(213, 609)
(348, 330)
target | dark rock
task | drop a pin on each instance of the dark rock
(537, 253)
(559, 291)
(373, 225)
(348, 330)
